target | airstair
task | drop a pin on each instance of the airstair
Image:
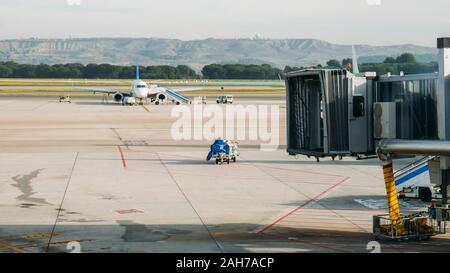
(415, 179)
(177, 97)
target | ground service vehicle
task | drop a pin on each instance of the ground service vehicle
(225, 99)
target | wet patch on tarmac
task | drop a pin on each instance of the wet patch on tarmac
(142, 233)
(62, 211)
(23, 183)
(27, 205)
(72, 212)
(109, 197)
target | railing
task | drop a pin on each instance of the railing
(414, 165)
(177, 96)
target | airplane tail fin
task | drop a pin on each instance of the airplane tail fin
(137, 71)
(355, 61)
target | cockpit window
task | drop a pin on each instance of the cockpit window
(141, 86)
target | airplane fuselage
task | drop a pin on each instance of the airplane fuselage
(140, 89)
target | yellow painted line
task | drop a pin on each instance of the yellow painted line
(32, 236)
(42, 236)
(145, 108)
(65, 242)
(11, 247)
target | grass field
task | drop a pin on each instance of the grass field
(58, 87)
(115, 82)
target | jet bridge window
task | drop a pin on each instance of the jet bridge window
(358, 106)
(416, 105)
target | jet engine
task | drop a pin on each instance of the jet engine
(118, 97)
(162, 97)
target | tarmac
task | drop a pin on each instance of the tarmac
(96, 177)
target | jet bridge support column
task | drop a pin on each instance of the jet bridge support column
(391, 190)
(443, 107)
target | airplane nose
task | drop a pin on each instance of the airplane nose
(141, 93)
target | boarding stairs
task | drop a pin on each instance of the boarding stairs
(177, 97)
(419, 179)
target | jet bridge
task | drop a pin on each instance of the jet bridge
(328, 113)
(337, 113)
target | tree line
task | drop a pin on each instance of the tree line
(107, 71)
(406, 62)
(94, 71)
(241, 72)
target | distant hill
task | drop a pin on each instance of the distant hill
(196, 53)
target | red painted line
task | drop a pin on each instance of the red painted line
(304, 171)
(122, 157)
(129, 211)
(312, 200)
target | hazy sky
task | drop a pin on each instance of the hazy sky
(346, 21)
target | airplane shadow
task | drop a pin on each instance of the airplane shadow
(362, 202)
(97, 103)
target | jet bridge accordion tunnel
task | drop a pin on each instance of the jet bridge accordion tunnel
(334, 113)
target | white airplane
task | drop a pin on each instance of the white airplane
(141, 92)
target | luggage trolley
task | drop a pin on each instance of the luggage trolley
(223, 151)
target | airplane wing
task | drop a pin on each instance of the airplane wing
(187, 89)
(104, 91)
